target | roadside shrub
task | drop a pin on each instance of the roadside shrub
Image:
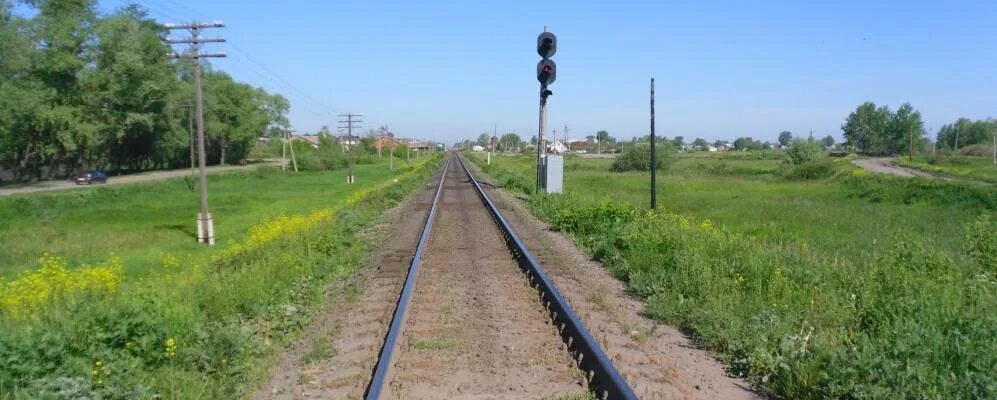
(805, 159)
(637, 157)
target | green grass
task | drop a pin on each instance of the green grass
(850, 287)
(961, 167)
(747, 196)
(207, 324)
(142, 222)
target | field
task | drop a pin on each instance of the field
(811, 288)
(111, 298)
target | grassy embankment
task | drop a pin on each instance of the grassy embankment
(156, 315)
(961, 167)
(853, 286)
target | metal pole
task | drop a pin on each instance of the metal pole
(541, 142)
(654, 156)
(995, 148)
(206, 232)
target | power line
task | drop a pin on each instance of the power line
(205, 225)
(352, 121)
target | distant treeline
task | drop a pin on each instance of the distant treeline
(83, 90)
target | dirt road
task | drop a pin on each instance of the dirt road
(886, 166)
(114, 180)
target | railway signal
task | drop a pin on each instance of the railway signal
(546, 72)
(546, 75)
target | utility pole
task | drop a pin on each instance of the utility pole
(910, 154)
(567, 140)
(654, 166)
(287, 133)
(352, 121)
(205, 225)
(995, 148)
(957, 126)
(190, 129)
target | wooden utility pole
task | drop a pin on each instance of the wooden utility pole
(352, 121)
(205, 225)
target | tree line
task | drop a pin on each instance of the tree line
(83, 90)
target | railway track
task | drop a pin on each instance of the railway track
(478, 317)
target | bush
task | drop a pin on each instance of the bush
(805, 159)
(637, 157)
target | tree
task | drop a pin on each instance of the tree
(967, 132)
(700, 144)
(590, 138)
(509, 141)
(865, 129)
(80, 90)
(484, 140)
(746, 143)
(907, 129)
(533, 140)
(827, 142)
(678, 142)
(603, 136)
(785, 137)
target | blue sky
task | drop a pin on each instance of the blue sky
(450, 70)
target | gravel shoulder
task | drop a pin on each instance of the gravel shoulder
(657, 360)
(335, 356)
(45, 186)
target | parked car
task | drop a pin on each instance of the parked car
(89, 177)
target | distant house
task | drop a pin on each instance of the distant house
(310, 139)
(557, 147)
(712, 148)
(477, 148)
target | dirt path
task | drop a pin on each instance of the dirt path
(115, 180)
(657, 360)
(475, 328)
(336, 354)
(886, 166)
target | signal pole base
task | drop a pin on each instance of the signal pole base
(205, 229)
(349, 178)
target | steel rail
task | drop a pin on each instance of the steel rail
(604, 379)
(379, 379)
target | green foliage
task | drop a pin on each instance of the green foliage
(510, 141)
(637, 157)
(981, 242)
(800, 326)
(808, 290)
(967, 132)
(806, 160)
(880, 131)
(198, 326)
(957, 166)
(785, 138)
(88, 91)
(883, 188)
